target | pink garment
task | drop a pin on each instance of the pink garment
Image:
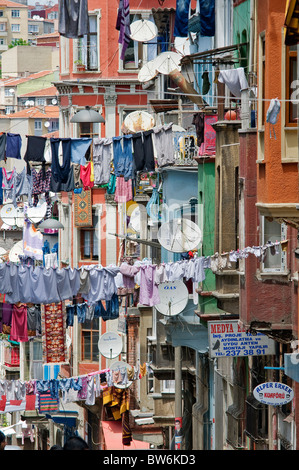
(149, 293)
(85, 175)
(128, 272)
(123, 190)
(19, 330)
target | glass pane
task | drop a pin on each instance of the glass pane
(86, 336)
(37, 351)
(86, 244)
(95, 348)
(272, 232)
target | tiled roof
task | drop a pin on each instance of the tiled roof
(42, 112)
(17, 81)
(51, 91)
(6, 3)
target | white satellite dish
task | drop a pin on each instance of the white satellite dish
(143, 30)
(15, 251)
(36, 214)
(173, 298)
(119, 366)
(147, 72)
(167, 62)
(110, 345)
(54, 101)
(8, 214)
(179, 235)
(139, 121)
(135, 220)
(19, 217)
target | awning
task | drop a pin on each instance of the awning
(113, 437)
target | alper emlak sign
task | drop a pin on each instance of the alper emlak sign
(273, 393)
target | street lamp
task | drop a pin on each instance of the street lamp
(87, 115)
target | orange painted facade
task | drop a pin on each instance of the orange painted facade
(277, 181)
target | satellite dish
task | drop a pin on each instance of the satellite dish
(36, 214)
(143, 30)
(20, 217)
(179, 235)
(8, 214)
(54, 101)
(135, 220)
(167, 62)
(110, 345)
(118, 366)
(173, 298)
(147, 72)
(139, 121)
(15, 251)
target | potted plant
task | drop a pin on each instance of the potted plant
(79, 65)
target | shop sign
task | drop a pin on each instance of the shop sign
(230, 339)
(273, 393)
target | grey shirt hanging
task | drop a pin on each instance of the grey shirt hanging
(73, 18)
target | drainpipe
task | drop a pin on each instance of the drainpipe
(178, 392)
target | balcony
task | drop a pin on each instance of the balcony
(11, 357)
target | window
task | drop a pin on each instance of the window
(89, 240)
(3, 27)
(134, 51)
(38, 125)
(87, 47)
(15, 13)
(9, 109)
(291, 81)
(33, 28)
(41, 101)
(36, 360)
(2, 41)
(8, 92)
(89, 340)
(15, 28)
(273, 231)
(168, 386)
(1, 13)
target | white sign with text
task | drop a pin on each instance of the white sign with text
(230, 339)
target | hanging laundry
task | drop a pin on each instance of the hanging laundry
(41, 185)
(60, 172)
(32, 241)
(16, 184)
(35, 150)
(208, 146)
(19, 330)
(207, 17)
(163, 143)
(143, 151)
(2, 146)
(79, 147)
(73, 18)
(102, 156)
(198, 121)
(53, 329)
(181, 18)
(123, 25)
(273, 113)
(149, 294)
(85, 176)
(13, 146)
(234, 79)
(205, 83)
(123, 190)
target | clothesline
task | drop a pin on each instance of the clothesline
(68, 389)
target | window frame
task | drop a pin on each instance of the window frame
(15, 13)
(92, 230)
(92, 331)
(291, 57)
(283, 260)
(16, 25)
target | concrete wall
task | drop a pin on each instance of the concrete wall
(21, 59)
